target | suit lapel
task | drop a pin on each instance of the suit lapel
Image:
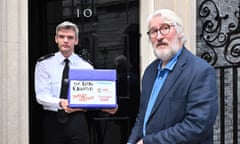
(171, 79)
(150, 79)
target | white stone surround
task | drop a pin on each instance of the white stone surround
(13, 72)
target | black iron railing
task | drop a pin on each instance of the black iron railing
(228, 100)
(218, 42)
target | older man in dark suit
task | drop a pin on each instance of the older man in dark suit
(179, 101)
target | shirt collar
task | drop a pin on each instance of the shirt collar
(61, 58)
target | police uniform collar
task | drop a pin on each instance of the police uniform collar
(61, 58)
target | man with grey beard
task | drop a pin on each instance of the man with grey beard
(179, 101)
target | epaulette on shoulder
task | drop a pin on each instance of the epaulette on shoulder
(45, 57)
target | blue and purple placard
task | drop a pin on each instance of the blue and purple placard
(92, 88)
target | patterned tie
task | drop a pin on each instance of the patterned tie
(62, 115)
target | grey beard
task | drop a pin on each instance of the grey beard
(166, 56)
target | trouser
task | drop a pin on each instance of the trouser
(74, 131)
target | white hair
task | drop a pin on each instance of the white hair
(171, 17)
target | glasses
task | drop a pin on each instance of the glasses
(164, 30)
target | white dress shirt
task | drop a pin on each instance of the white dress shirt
(48, 75)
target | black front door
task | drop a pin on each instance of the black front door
(109, 37)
